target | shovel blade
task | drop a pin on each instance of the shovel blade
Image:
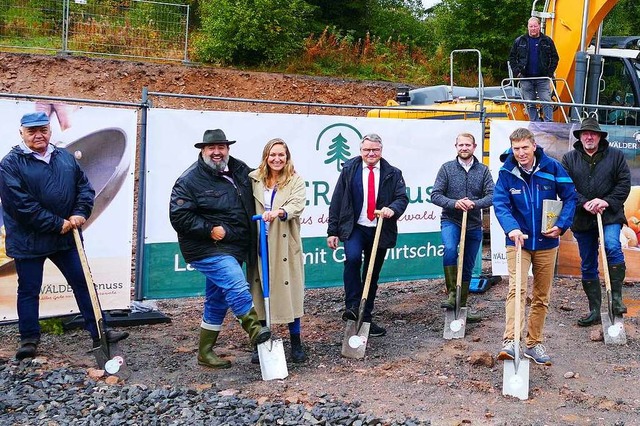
(516, 382)
(354, 342)
(273, 364)
(454, 328)
(613, 332)
(110, 358)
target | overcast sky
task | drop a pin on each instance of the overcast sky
(429, 3)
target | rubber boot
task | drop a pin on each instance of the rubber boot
(450, 275)
(297, 351)
(464, 294)
(27, 349)
(594, 294)
(616, 273)
(251, 324)
(206, 356)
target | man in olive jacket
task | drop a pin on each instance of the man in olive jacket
(603, 181)
(210, 209)
(351, 221)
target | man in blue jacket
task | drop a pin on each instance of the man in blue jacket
(527, 177)
(366, 183)
(463, 184)
(45, 194)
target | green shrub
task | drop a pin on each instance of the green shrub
(251, 32)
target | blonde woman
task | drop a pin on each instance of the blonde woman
(279, 195)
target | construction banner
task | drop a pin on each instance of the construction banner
(103, 140)
(319, 145)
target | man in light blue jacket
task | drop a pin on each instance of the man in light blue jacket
(527, 177)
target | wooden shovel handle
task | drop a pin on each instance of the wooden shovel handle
(603, 254)
(367, 281)
(93, 294)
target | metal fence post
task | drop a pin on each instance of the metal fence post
(140, 219)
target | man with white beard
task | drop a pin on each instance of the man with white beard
(211, 208)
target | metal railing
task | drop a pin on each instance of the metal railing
(127, 28)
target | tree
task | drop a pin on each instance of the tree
(486, 25)
(624, 19)
(251, 32)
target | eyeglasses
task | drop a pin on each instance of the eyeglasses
(371, 150)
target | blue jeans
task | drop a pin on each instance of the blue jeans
(537, 89)
(451, 239)
(30, 283)
(588, 247)
(226, 287)
(355, 269)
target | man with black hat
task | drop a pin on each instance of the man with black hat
(45, 194)
(210, 209)
(603, 182)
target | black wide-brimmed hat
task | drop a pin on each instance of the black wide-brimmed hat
(590, 124)
(213, 137)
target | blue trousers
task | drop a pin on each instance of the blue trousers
(537, 89)
(226, 287)
(30, 283)
(588, 247)
(451, 239)
(355, 269)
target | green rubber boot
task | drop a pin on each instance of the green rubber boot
(251, 324)
(464, 294)
(594, 294)
(206, 356)
(450, 275)
(616, 273)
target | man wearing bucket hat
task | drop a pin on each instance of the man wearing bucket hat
(45, 194)
(603, 182)
(211, 208)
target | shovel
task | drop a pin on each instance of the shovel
(515, 375)
(356, 333)
(108, 355)
(612, 326)
(273, 364)
(456, 319)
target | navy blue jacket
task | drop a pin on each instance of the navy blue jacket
(36, 199)
(547, 56)
(518, 204)
(346, 203)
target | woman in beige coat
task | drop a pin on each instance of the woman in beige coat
(279, 195)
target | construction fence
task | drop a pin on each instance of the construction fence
(123, 28)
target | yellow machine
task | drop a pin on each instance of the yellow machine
(605, 74)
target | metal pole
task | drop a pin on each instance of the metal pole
(65, 26)
(142, 171)
(186, 38)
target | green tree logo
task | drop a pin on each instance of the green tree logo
(338, 150)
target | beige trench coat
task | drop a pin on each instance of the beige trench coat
(286, 267)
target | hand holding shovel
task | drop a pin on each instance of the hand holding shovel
(357, 332)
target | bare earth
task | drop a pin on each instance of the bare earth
(411, 372)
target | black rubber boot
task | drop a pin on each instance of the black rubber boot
(594, 294)
(206, 356)
(251, 324)
(297, 351)
(616, 273)
(27, 349)
(464, 294)
(450, 275)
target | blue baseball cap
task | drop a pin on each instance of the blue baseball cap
(34, 119)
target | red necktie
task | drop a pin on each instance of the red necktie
(371, 194)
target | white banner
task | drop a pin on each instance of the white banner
(104, 141)
(318, 145)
